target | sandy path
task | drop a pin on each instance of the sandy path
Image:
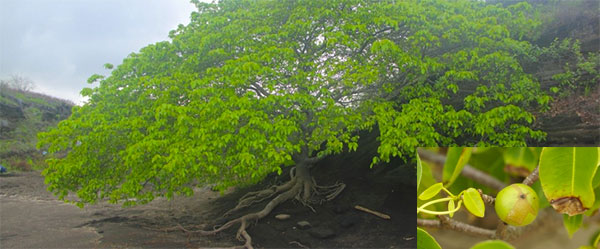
(43, 224)
(30, 217)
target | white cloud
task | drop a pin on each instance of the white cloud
(59, 44)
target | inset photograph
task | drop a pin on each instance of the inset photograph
(529, 197)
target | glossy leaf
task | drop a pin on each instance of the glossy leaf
(419, 171)
(432, 191)
(427, 180)
(492, 244)
(451, 207)
(566, 175)
(520, 161)
(537, 186)
(473, 202)
(596, 180)
(572, 223)
(425, 240)
(594, 209)
(456, 159)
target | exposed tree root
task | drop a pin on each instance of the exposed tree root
(298, 243)
(300, 187)
(251, 198)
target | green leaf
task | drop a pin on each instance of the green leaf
(566, 175)
(456, 159)
(591, 211)
(427, 180)
(520, 161)
(537, 186)
(572, 223)
(492, 244)
(432, 191)
(419, 171)
(596, 180)
(425, 240)
(451, 207)
(473, 202)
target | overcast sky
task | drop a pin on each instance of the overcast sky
(58, 44)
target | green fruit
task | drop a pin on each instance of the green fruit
(517, 204)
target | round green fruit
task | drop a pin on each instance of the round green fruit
(517, 204)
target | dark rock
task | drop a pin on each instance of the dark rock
(321, 232)
(348, 220)
(11, 112)
(303, 225)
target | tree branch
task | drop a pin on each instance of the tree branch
(531, 178)
(259, 89)
(312, 160)
(482, 177)
(447, 223)
(487, 199)
(468, 171)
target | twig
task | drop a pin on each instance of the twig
(468, 171)
(298, 243)
(445, 222)
(380, 215)
(501, 230)
(531, 178)
(488, 199)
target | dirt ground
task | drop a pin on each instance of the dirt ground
(30, 217)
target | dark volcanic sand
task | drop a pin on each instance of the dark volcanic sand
(32, 218)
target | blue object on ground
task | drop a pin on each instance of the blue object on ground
(2, 169)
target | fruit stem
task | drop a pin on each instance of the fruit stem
(448, 192)
(422, 207)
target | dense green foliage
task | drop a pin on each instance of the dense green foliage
(250, 86)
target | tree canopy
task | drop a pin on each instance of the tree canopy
(248, 87)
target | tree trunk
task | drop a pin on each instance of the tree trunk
(303, 177)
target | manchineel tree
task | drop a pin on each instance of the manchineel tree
(516, 182)
(249, 87)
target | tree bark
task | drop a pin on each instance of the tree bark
(303, 177)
